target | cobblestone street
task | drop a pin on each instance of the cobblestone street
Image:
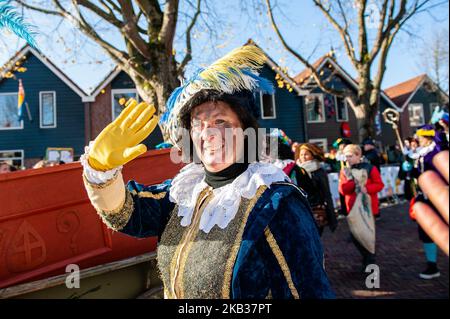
(400, 257)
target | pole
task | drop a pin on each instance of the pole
(29, 113)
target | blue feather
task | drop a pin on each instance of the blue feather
(14, 22)
(171, 103)
(264, 85)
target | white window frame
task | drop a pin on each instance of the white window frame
(21, 122)
(22, 158)
(321, 96)
(118, 91)
(345, 106)
(324, 141)
(40, 110)
(423, 114)
(262, 107)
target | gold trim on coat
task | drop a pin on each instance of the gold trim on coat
(281, 261)
(149, 194)
(119, 217)
(173, 272)
(226, 288)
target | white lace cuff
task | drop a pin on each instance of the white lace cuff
(93, 176)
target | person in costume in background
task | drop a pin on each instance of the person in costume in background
(371, 154)
(309, 157)
(429, 148)
(347, 187)
(393, 155)
(340, 145)
(228, 226)
(439, 119)
(444, 137)
(406, 145)
(331, 164)
(405, 173)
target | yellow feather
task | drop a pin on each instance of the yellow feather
(231, 65)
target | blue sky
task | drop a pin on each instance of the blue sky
(302, 24)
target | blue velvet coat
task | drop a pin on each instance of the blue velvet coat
(257, 272)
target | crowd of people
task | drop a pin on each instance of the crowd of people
(308, 166)
(6, 167)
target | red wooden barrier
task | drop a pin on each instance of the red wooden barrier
(47, 221)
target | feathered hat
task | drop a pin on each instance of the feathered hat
(236, 72)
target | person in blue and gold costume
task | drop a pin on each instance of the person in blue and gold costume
(228, 226)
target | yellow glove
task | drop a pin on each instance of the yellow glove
(118, 143)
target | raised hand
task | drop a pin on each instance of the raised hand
(119, 142)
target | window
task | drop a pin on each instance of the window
(315, 111)
(119, 94)
(267, 103)
(416, 116)
(47, 109)
(12, 157)
(321, 142)
(9, 118)
(341, 109)
(432, 107)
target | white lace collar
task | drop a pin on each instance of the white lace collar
(427, 149)
(222, 208)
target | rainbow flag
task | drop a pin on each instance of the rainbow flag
(20, 101)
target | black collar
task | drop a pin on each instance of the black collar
(225, 176)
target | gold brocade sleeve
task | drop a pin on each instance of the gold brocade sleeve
(112, 201)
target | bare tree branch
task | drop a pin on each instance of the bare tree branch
(114, 6)
(111, 18)
(344, 33)
(38, 9)
(188, 55)
(299, 56)
(393, 14)
(378, 39)
(362, 34)
(385, 32)
(167, 32)
(117, 55)
(130, 28)
(109, 9)
(388, 40)
(154, 15)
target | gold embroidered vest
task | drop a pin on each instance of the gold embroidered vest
(195, 264)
